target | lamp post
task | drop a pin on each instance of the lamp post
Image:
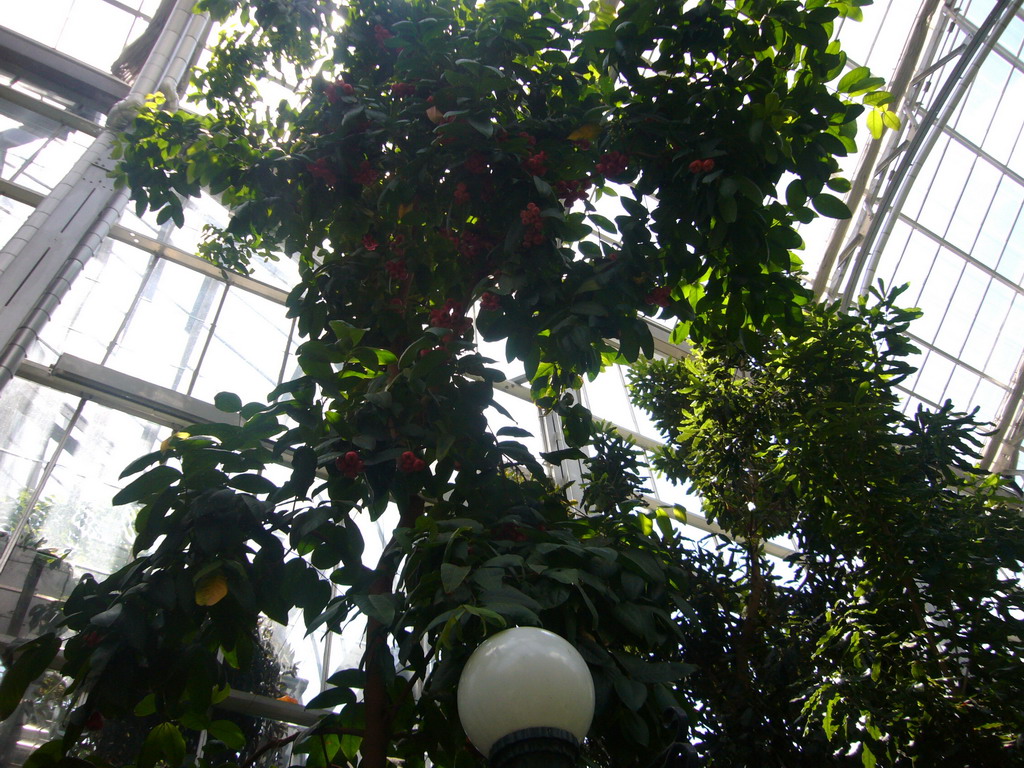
(526, 699)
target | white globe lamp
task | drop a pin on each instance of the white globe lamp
(526, 697)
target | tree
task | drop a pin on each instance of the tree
(442, 156)
(896, 638)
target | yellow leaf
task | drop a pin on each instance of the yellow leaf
(588, 132)
(211, 589)
(404, 208)
(166, 444)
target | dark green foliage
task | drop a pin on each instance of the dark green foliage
(438, 158)
(898, 636)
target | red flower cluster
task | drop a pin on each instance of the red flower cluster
(476, 163)
(660, 296)
(323, 171)
(370, 242)
(452, 315)
(490, 302)
(396, 269)
(531, 141)
(473, 245)
(410, 462)
(337, 89)
(573, 190)
(366, 175)
(613, 164)
(702, 166)
(533, 224)
(401, 90)
(461, 195)
(381, 35)
(536, 165)
(350, 464)
(508, 532)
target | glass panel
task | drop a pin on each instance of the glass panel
(88, 319)
(935, 374)
(988, 398)
(81, 519)
(963, 228)
(988, 324)
(982, 99)
(1005, 129)
(945, 192)
(1002, 215)
(962, 388)
(959, 314)
(35, 151)
(606, 397)
(247, 349)
(1007, 350)
(936, 292)
(1011, 262)
(32, 421)
(166, 332)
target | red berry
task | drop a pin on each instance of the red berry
(696, 166)
(708, 165)
(419, 465)
(407, 462)
(347, 89)
(350, 465)
(660, 296)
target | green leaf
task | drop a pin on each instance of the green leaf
(876, 125)
(850, 80)
(332, 697)
(604, 223)
(632, 693)
(831, 206)
(165, 743)
(141, 463)
(452, 576)
(227, 401)
(155, 480)
(379, 607)
(347, 333)
(229, 733)
(49, 755)
(146, 707)
(252, 484)
(566, 454)
(30, 661)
